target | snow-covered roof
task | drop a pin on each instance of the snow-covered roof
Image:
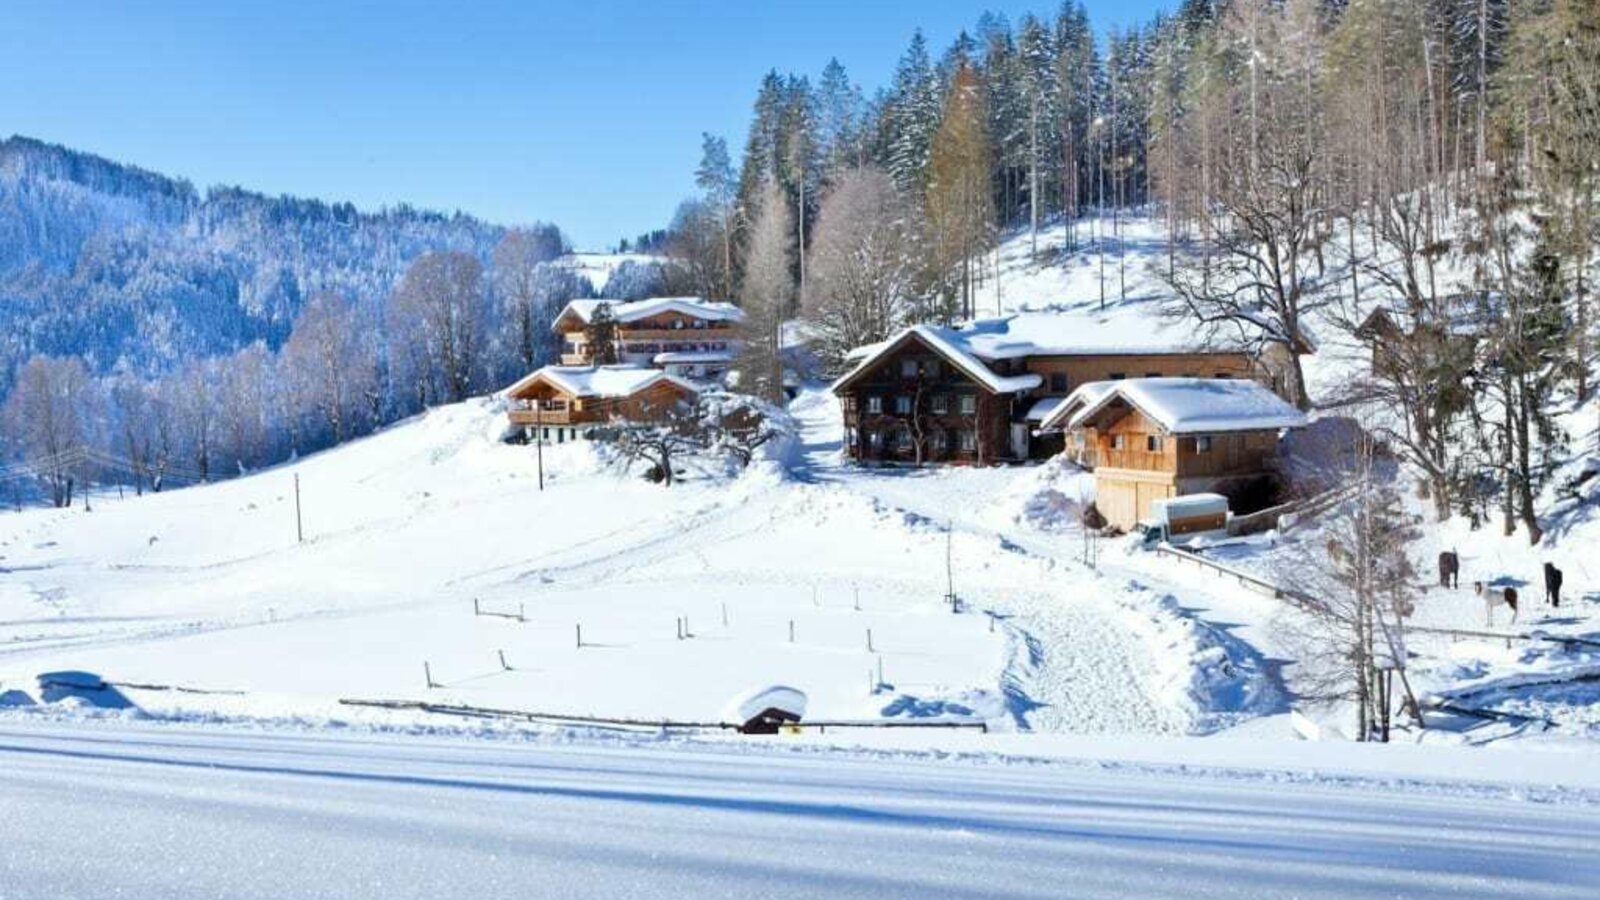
(634, 310)
(1088, 394)
(599, 381)
(1053, 333)
(1193, 405)
(1463, 314)
(684, 357)
(1042, 408)
(947, 344)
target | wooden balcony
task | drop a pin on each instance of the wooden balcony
(714, 333)
(548, 417)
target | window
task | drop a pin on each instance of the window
(969, 441)
(931, 368)
(1152, 443)
(851, 438)
(1058, 382)
(1118, 376)
(1202, 444)
(902, 405)
(1224, 375)
(969, 405)
(677, 324)
(1078, 438)
(700, 323)
(937, 441)
(940, 404)
(902, 438)
(1119, 442)
(875, 406)
(908, 368)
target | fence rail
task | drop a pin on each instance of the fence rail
(453, 709)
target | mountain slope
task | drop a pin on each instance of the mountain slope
(122, 265)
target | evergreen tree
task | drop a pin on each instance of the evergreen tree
(911, 116)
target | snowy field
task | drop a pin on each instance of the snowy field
(208, 589)
(178, 812)
(1137, 708)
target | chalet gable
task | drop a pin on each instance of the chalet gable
(958, 359)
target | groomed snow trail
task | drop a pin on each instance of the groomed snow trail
(1091, 651)
(174, 813)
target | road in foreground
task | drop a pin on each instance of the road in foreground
(96, 810)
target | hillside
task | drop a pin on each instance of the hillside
(132, 268)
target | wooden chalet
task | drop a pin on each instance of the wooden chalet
(1158, 438)
(1447, 329)
(561, 403)
(686, 336)
(978, 394)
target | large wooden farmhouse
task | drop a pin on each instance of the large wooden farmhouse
(560, 403)
(686, 336)
(978, 394)
(1158, 438)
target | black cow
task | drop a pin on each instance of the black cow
(1552, 585)
(1449, 569)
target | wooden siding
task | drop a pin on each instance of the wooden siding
(562, 408)
(1080, 370)
(933, 384)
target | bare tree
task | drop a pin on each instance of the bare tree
(1357, 588)
(437, 315)
(862, 272)
(661, 439)
(517, 262)
(243, 400)
(47, 413)
(766, 294)
(324, 354)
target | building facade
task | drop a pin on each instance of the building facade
(562, 403)
(686, 336)
(1158, 438)
(980, 394)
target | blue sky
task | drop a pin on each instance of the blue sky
(587, 114)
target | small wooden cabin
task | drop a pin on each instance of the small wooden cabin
(1157, 438)
(560, 403)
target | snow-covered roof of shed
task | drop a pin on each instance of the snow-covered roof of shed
(1087, 394)
(634, 310)
(1196, 405)
(599, 381)
(1042, 408)
(946, 343)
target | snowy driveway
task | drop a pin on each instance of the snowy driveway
(161, 812)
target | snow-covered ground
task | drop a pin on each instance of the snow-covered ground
(1137, 707)
(406, 531)
(179, 812)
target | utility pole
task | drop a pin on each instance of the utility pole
(949, 568)
(538, 437)
(299, 526)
